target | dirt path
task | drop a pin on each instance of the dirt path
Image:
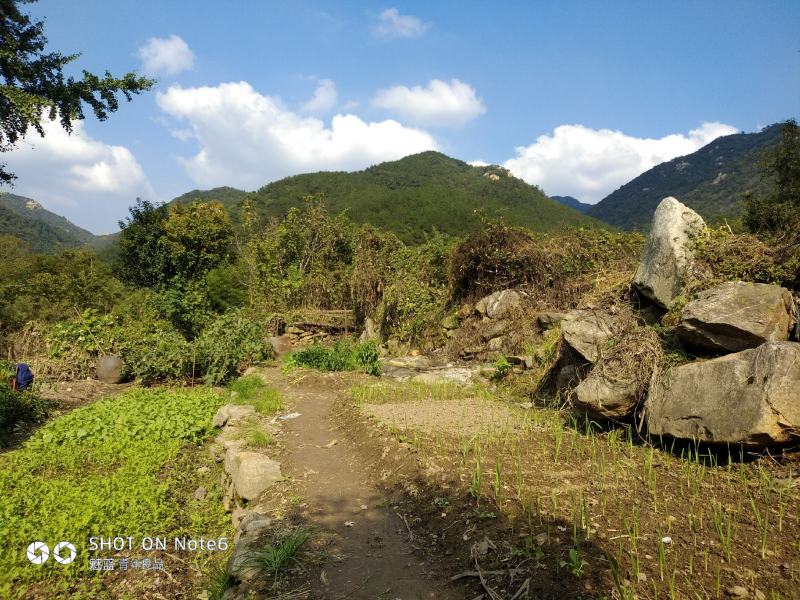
(371, 554)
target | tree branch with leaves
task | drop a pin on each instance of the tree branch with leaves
(34, 88)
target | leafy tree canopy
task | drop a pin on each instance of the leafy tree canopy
(164, 246)
(34, 88)
(780, 210)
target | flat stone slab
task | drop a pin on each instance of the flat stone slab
(232, 412)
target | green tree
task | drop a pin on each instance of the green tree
(144, 257)
(34, 88)
(163, 246)
(199, 237)
(780, 211)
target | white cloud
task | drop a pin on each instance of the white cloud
(247, 139)
(589, 163)
(88, 181)
(166, 56)
(440, 103)
(391, 24)
(324, 98)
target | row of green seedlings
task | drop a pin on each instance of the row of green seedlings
(697, 466)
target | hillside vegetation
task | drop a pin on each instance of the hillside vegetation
(45, 231)
(573, 202)
(420, 194)
(713, 181)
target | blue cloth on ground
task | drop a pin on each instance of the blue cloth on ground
(24, 376)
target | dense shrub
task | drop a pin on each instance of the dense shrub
(48, 288)
(304, 260)
(556, 268)
(725, 256)
(340, 356)
(229, 343)
(150, 347)
(404, 288)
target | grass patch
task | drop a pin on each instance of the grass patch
(276, 558)
(114, 467)
(251, 390)
(257, 437)
(218, 581)
(340, 356)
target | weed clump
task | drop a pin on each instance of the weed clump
(721, 255)
(340, 356)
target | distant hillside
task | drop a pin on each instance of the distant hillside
(573, 202)
(712, 181)
(228, 196)
(45, 231)
(423, 193)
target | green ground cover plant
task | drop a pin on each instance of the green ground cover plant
(110, 468)
(339, 356)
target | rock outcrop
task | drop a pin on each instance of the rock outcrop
(736, 316)
(548, 320)
(251, 473)
(281, 344)
(421, 369)
(602, 397)
(498, 304)
(667, 257)
(588, 332)
(371, 332)
(750, 398)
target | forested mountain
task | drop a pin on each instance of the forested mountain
(228, 196)
(423, 193)
(573, 202)
(712, 181)
(45, 231)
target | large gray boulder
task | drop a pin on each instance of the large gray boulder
(750, 398)
(668, 256)
(736, 316)
(371, 332)
(498, 304)
(588, 332)
(606, 398)
(251, 473)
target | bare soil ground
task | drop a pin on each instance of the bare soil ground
(360, 535)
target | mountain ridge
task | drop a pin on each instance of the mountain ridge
(422, 193)
(712, 180)
(45, 231)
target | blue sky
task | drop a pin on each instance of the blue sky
(576, 97)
